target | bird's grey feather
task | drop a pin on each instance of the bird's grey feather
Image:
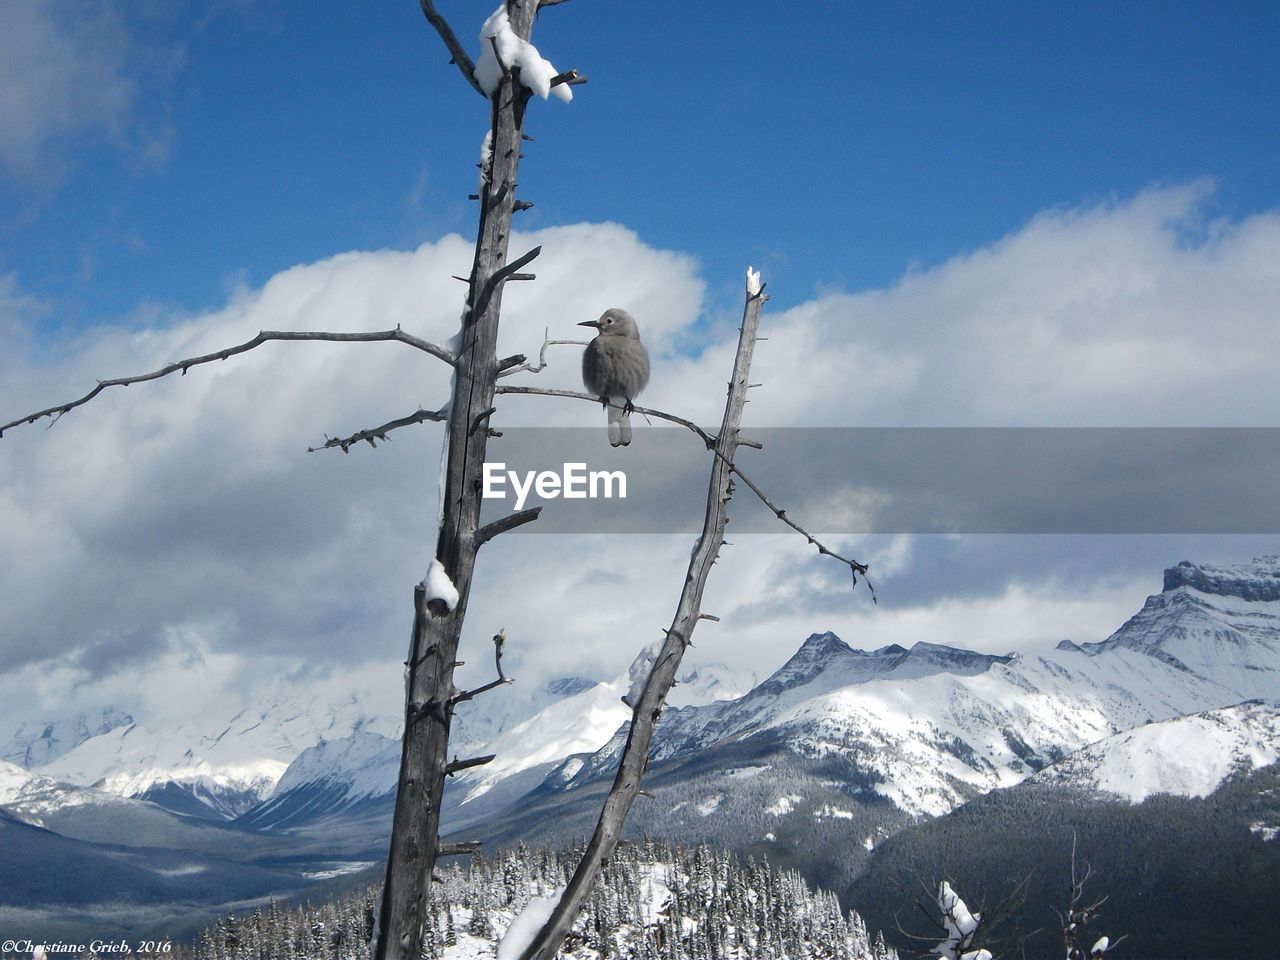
(616, 365)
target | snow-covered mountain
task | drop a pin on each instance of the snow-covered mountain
(31, 797)
(573, 716)
(925, 728)
(214, 766)
(37, 743)
(933, 726)
(1188, 756)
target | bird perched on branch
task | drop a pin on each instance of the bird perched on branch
(615, 367)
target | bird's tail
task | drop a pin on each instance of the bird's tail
(619, 423)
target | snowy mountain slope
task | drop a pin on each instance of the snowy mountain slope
(31, 797)
(1188, 756)
(224, 763)
(935, 725)
(328, 780)
(352, 776)
(40, 742)
(95, 816)
(476, 724)
(1216, 623)
(586, 722)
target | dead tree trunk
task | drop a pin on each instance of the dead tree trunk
(431, 694)
(635, 756)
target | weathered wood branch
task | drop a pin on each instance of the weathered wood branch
(499, 641)
(460, 849)
(501, 276)
(635, 755)
(707, 438)
(572, 77)
(453, 766)
(503, 524)
(854, 566)
(415, 834)
(374, 434)
(522, 365)
(265, 336)
(459, 54)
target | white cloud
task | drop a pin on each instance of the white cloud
(68, 71)
(184, 515)
(1134, 313)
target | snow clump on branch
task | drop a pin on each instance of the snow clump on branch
(961, 926)
(501, 50)
(438, 586)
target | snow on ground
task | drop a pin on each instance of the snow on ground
(826, 811)
(710, 805)
(1267, 832)
(783, 805)
(1189, 756)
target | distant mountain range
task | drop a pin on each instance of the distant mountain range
(848, 765)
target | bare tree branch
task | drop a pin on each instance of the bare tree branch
(503, 524)
(648, 706)
(374, 434)
(707, 438)
(522, 366)
(499, 641)
(500, 277)
(572, 77)
(455, 765)
(56, 413)
(456, 50)
(459, 849)
(854, 566)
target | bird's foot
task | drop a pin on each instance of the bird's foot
(604, 401)
(628, 407)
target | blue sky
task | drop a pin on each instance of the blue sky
(834, 145)
(968, 214)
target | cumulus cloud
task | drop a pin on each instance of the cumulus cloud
(1126, 313)
(179, 528)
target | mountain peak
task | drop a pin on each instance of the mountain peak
(1259, 580)
(824, 643)
(39, 742)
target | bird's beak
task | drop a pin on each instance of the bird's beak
(590, 323)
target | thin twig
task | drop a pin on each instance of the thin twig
(456, 50)
(707, 438)
(372, 435)
(571, 77)
(499, 641)
(854, 566)
(183, 365)
(525, 367)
